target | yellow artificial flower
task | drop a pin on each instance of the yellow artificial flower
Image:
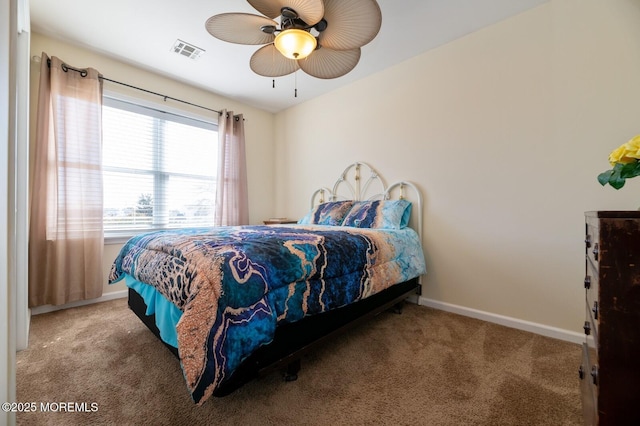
(633, 147)
(627, 153)
(617, 155)
(625, 164)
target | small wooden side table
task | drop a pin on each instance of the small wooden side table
(279, 221)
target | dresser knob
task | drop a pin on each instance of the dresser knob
(596, 251)
(587, 241)
(594, 374)
(581, 373)
(587, 328)
(587, 282)
(595, 310)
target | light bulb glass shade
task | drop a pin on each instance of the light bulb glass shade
(295, 43)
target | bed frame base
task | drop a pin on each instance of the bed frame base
(294, 340)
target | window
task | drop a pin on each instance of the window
(159, 169)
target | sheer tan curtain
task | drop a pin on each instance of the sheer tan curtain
(232, 200)
(66, 233)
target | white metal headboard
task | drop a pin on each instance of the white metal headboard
(351, 181)
(359, 181)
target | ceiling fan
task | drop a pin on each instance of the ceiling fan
(321, 37)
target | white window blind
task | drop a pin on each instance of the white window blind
(159, 169)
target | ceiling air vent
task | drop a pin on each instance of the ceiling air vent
(185, 49)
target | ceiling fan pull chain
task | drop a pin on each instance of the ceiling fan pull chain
(273, 83)
(295, 82)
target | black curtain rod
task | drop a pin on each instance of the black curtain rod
(165, 97)
(83, 73)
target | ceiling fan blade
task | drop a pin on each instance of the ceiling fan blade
(268, 62)
(350, 24)
(326, 63)
(240, 28)
(310, 11)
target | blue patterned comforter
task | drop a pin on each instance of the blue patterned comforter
(235, 284)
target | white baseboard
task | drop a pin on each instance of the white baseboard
(105, 297)
(544, 330)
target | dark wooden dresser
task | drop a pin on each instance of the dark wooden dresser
(610, 368)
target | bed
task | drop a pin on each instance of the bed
(235, 303)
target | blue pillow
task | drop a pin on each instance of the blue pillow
(331, 213)
(380, 214)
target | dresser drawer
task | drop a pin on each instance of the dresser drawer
(591, 325)
(588, 390)
(591, 298)
(592, 244)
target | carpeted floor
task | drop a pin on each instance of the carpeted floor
(423, 367)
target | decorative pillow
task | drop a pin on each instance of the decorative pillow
(382, 214)
(331, 213)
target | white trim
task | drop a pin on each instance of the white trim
(532, 327)
(8, 108)
(121, 294)
(541, 329)
(24, 17)
(21, 187)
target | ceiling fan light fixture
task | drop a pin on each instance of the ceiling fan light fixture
(295, 43)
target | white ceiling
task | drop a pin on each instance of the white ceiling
(142, 33)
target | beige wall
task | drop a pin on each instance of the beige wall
(258, 124)
(505, 131)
